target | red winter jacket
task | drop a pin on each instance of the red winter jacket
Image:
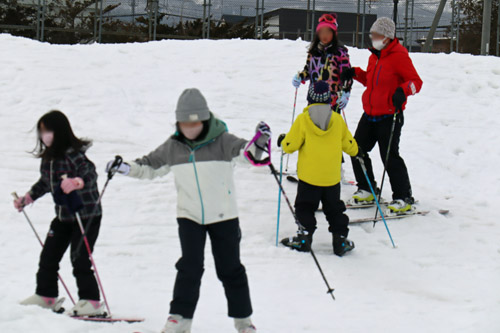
(387, 70)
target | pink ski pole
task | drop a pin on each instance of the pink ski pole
(14, 194)
(89, 251)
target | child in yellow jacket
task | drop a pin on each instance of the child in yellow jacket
(320, 135)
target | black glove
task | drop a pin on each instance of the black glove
(399, 98)
(347, 74)
(280, 139)
(361, 153)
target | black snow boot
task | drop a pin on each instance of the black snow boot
(341, 245)
(301, 242)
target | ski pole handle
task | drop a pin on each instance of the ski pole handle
(114, 167)
(16, 196)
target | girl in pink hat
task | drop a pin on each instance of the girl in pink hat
(326, 59)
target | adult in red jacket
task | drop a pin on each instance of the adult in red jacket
(389, 79)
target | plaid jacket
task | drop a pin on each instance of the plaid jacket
(74, 164)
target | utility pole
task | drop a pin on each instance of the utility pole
(458, 25)
(203, 26)
(411, 24)
(313, 20)
(262, 21)
(308, 19)
(432, 31)
(256, 19)
(363, 23)
(452, 24)
(395, 12)
(357, 23)
(486, 31)
(209, 19)
(405, 41)
(498, 30)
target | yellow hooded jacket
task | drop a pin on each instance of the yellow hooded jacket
(320, 151)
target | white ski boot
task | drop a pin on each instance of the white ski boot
(361, 198)
(244, 325)
(51, 303)
(400, 207)
(177, 324)
(88, 308)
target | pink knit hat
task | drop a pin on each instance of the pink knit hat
(328, 20)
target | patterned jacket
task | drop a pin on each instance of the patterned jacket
(326, 64)
(74, 164)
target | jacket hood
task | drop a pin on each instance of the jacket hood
(214, 127)
(319, 118)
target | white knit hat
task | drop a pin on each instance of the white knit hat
(384, 26)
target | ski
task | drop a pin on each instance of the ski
(359, 206)
(367, 205)
(396, 217)
(108, 319)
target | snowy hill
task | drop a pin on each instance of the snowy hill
(443, 276)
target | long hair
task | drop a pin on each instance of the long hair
(64, 138)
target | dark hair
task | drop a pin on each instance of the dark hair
(64, 138)
(335, 43)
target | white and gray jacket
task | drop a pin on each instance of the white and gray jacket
(203, 175)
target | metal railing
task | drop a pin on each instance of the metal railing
(111, 21)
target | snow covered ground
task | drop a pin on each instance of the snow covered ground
(443, 277)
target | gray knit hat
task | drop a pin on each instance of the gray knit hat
(384, 26)
(192, 106)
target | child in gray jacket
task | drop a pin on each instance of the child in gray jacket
(200, 154)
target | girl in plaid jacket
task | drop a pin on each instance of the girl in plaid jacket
(62, 153)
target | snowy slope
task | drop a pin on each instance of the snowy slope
(443, 276)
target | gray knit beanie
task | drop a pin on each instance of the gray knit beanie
(192, 107)
(384, 26)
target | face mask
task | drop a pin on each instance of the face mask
(47, 138)
(192, 133)
(378, 44)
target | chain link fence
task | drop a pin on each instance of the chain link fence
(116, 21)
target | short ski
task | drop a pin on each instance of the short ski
(108, 319)
(395, 217)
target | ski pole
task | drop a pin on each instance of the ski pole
(14, 194)
(345, 119)
(293, 118)
(279, 199)
(362, 162)
(302, 230)
(385, 163)
(112, 170)
(89, 251)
